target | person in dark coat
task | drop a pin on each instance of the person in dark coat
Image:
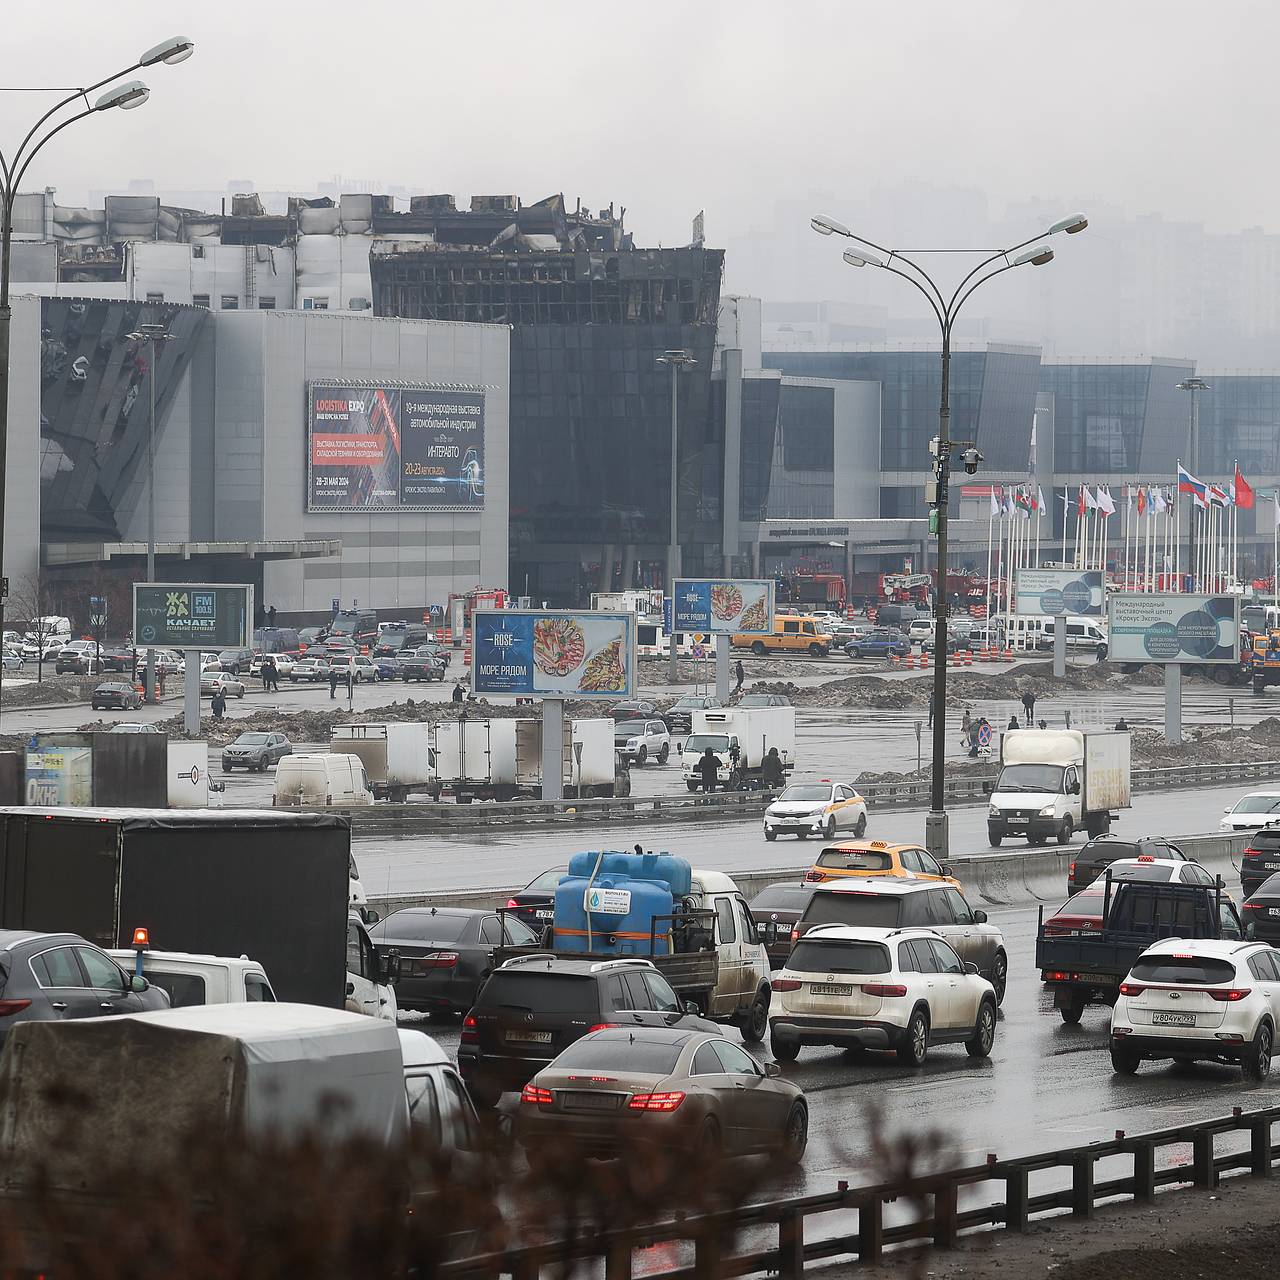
(333, 682)
(740, 674)
(771, 771)
(1029, 707)
(707, 767)
(458, 692)
(1014, 723)
(218, 704)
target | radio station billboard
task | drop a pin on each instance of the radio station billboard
(722, 606)
(1171, 627)
(177, 615)
(550, 654)
(394, 447)
(1075, 593)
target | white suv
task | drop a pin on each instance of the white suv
(642, 740)
(1206, 1000)
(902, 989)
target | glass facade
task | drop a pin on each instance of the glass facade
(95, 407)
(1099, 411)
(1240, 422)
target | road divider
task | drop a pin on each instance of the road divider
(989, 879)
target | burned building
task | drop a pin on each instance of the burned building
(590, 425)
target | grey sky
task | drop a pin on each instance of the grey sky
(670, 107)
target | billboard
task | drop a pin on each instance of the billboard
(59, 776)
(578, 654)
(1177, 628)
(720, 606)
(1076, 593)
(394, 447)
(179, 615)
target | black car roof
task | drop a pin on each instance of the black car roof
(13, 938)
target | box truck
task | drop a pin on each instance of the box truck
(1054, 781)
(396, 756)
(740, 737)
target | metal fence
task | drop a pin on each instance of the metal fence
(714, 1237)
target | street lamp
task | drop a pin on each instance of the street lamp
(1195, 386)
(13, 168)
(866, 253)
(150, 334)
(677, 360)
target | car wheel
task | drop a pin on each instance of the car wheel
(915, 1048)
(664, 753)
(860, 829)
(984, 1034)
(262, 765)
(829, 831)
(784, 1048)
(999, 976)
(815, 651)
(1073, 1012)
(1124, 1059)
(1256, 1063)
(854, 653)
(757, 647)
(642, 755)
(769, 835)
(241, 693)
(1066, 831)
(757, 1020)
(795, 1137)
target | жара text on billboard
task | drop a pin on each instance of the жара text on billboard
(394, 447)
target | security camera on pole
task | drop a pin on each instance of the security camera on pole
(902, 263)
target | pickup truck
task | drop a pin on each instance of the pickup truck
(1083, 959)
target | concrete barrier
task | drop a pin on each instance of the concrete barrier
(989, 879)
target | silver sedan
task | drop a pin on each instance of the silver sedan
(213, 681)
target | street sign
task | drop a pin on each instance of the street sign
(1176, 628)
(174, 615)
(723, 606)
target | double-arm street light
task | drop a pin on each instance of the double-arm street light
(13, 168)
(945, 309)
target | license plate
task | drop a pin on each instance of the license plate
(544, 915)
(1102, 979)
(1017, 822)
(1174, 1019)
(1270, 866)
(529, 1037)
(1273, 911)
(830, 989)
(575, 1100)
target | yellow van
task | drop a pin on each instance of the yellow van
(791, 634)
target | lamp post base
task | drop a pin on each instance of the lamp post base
(936, 837)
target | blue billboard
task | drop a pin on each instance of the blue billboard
(535, 653)
(720, 606)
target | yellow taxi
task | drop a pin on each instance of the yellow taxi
(863, 858)
(823, 808)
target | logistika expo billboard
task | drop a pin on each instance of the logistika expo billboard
(394, 447)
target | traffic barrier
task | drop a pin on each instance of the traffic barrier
(927, 1208)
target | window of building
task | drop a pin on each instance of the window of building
(266, 303)
(230, 302)
(197, 251)
(315, 304)
(155, 297)
(200, 300)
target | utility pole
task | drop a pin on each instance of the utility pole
(676, 360)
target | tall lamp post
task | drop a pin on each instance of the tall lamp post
(13, 168)
(150, 335)
(677, 360)
(1195, 386)
(945, 309)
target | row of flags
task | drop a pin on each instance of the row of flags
(1238, 491)
(1019, 500)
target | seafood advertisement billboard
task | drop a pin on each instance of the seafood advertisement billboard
(554, 654)
(394, 447)
(724, 606)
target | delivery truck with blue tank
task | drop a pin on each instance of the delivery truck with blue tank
(693, 925)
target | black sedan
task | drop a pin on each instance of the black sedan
(1261, 912)
(535, 903)
(445, 953)
(45, 977)
(635, 709)
(115, 697)
(775, 911)
(420, 664)
(680, 717)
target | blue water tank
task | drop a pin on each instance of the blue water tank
(621, 917)
(674, 872)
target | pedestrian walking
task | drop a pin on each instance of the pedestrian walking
(1029, 707)
(966, 724)
(264, 674)
(708, 766)
(740, 675)
(333, 682)
(218, 704)
(974, 728)
(458, 692)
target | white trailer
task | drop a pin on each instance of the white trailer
(188, 773)
(740, 738)
(476, 759)
(396, 755)
(588, 757)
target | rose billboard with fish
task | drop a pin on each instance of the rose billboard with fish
(578, 654)
(724, 606)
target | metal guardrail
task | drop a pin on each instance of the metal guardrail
(712, 1235)
(913, 794)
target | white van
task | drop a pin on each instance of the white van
(321, 780)
(1081, 633)
(1021, 633)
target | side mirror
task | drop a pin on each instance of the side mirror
(987, 788)
(351, 988)
(970, 967)
(946, 870)
(390, 967)
(371, 917)
(1227, 809)
(979, 917)
(138, 983)
(691, 1006)
(772, 1070)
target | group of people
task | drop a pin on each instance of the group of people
(772, 773)
(270, 675)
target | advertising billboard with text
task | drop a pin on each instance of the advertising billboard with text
(1075, 593)
(177, 615)
(1173, 627)
(718, 606)
(575, 655)
(392, 447)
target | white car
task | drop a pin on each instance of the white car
(1159, 871)
(213, 681)
(1199, 1000)
(860, 988)
(920, 629)
(284, 664)
(1256, 810)
(366, 671)
(816, 809)
(11, 660)
(642, 740)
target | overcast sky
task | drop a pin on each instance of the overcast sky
(671, 106)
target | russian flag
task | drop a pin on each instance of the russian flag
(1187, 483)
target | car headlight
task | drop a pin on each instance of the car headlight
(633, 742)
(993, 812)
(1047, 811)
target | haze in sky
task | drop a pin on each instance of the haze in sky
(755, 112)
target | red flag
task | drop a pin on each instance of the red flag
(1142, 500)
(1244, 491)
(1080, 504)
